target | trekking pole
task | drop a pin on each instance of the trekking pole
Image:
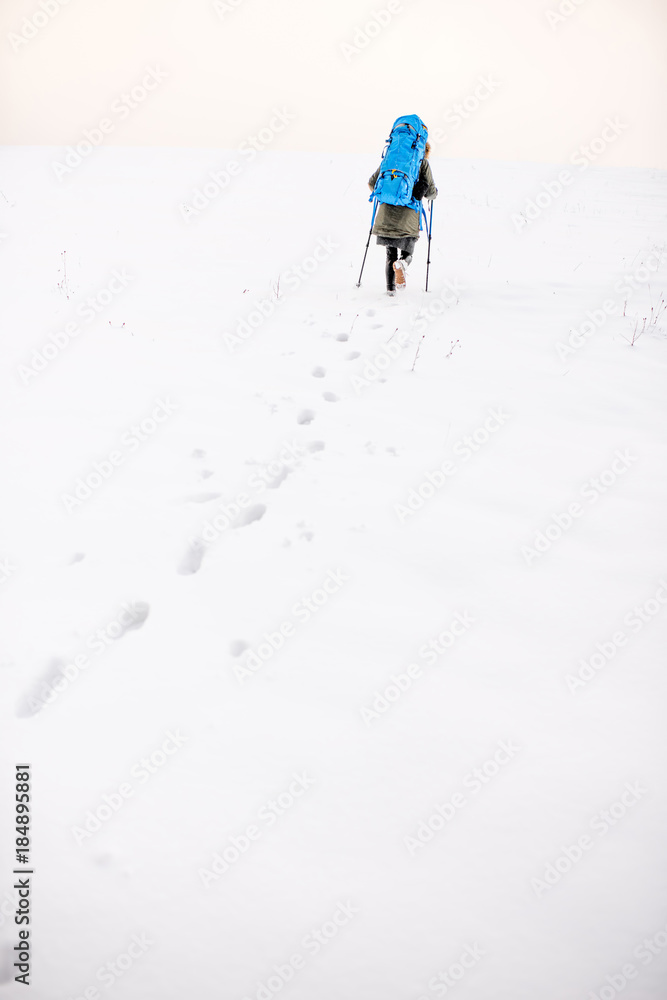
(429, 227)
(375, 205)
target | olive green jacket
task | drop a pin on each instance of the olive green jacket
(400, 221)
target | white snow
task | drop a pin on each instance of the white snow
(320, 466)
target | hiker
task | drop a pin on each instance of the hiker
(397, 226)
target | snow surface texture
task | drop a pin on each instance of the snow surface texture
(180, 500)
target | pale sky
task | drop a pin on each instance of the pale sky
(341, 72)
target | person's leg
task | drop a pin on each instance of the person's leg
(401, 268)
(392, 256)
(408, 251)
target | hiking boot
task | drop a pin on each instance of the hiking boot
(400, 270)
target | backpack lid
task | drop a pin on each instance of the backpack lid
(413, 121)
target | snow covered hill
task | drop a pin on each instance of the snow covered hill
(333, 625)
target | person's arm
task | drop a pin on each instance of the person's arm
(373, 179)
(429, 188)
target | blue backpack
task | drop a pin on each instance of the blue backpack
(401, 163)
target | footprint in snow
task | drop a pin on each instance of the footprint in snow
(279, 478)
(191, 561)
(248, 516)
(318, 372)
(76, 558)
(203, 497)
(139, 611)
(342, 337)
(106, 860)
(237, 647)
(199, 453)
(206, 473)
(370, 312)
(305, 417)
(34, 700)
(194, 554)
(47, 687)
(314, 446)
(353, 355)
(330, 397)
